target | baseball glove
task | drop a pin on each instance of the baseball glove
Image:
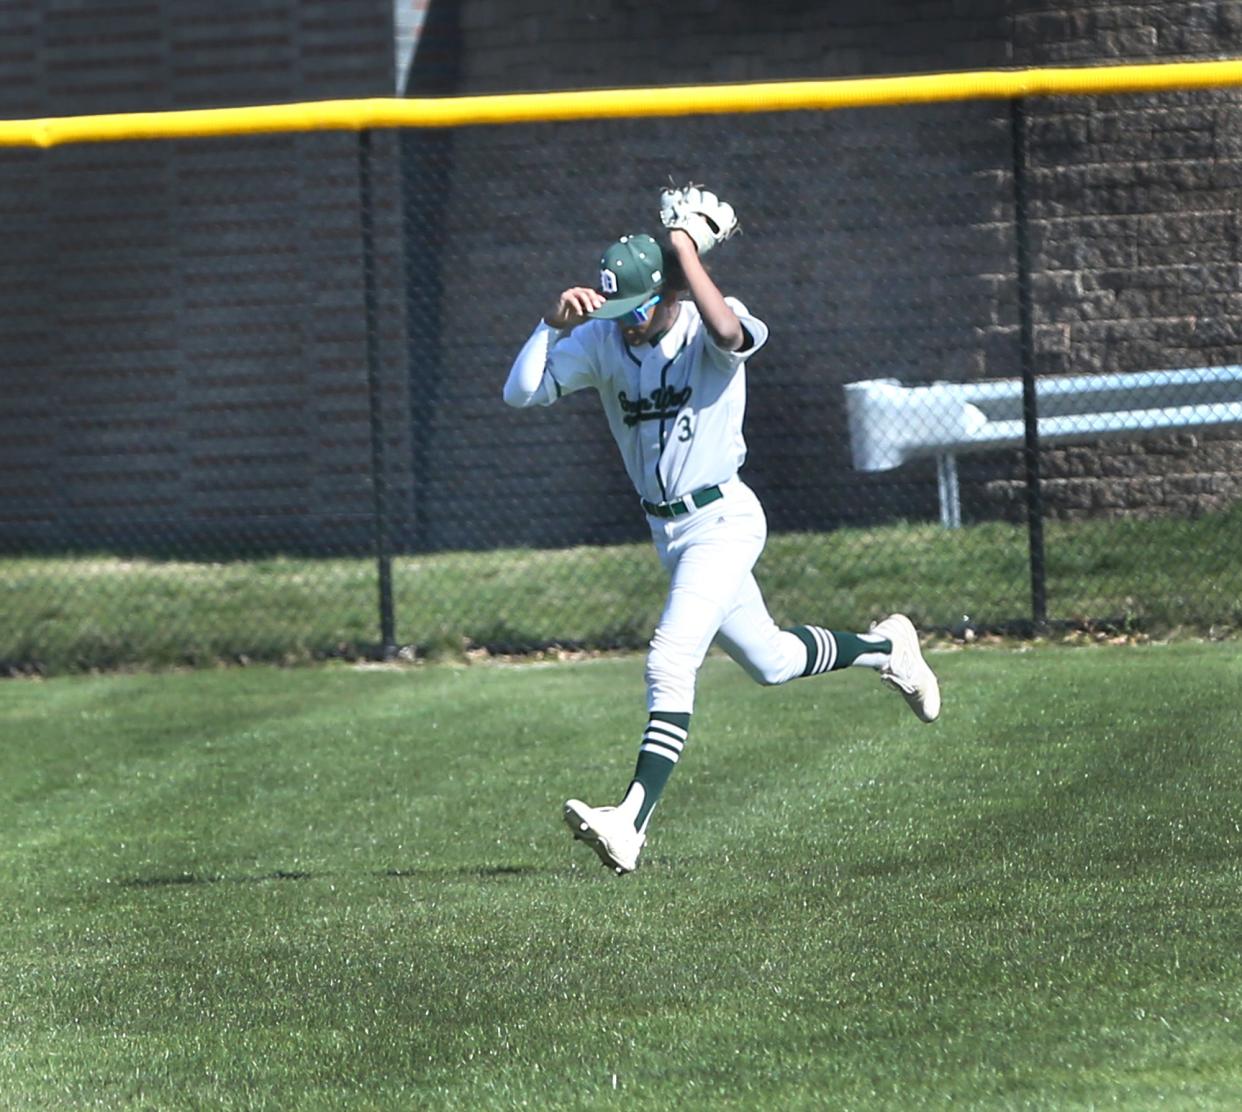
(702, 214)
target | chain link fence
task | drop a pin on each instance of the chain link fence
(253, 405)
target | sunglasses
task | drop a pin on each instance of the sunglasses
(636, 318)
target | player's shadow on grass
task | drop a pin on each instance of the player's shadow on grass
(175, 880)
(465, 872)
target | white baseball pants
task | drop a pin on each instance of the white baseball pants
(709, 555)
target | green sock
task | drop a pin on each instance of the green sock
(663, 740)
(829, 649)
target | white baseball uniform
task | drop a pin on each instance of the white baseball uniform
(675, 409)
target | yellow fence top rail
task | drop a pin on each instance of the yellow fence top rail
(778, 96)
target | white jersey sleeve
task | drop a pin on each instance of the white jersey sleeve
(551, 364)
(756, 333)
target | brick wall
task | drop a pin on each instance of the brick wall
(183, 322)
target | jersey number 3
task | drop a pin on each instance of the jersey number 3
(686, 430)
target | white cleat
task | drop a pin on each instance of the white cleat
(906, 670)
(609, 834)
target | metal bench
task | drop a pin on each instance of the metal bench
(890, 423)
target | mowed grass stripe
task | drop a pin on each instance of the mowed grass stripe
(335, 888)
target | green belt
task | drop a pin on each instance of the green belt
(679, 506)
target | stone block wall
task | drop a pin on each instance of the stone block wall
(1136, 249)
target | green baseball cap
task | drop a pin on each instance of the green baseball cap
(630, 271)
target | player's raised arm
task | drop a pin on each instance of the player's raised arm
(697, 221)
(721, 321)
(530, 380)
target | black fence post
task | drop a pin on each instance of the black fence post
(379, 476)
(1026, 354)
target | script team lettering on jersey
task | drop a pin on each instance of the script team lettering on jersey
(663, 404)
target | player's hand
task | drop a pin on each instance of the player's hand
(572, 306)
(683, 242)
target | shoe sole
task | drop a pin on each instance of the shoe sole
(912, 701)
(583, 831)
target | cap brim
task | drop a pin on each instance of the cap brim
(619, 306)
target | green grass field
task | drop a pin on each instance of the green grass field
(334, 888)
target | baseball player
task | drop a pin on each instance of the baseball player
(667, 353)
